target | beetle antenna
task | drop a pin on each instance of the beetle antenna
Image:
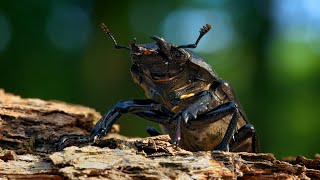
(106, 30)
(203, 31)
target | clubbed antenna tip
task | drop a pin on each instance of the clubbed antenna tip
(104, 28)
(205, 29)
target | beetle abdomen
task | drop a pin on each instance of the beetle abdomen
(206, 138)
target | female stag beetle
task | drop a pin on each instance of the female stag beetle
(194, 106)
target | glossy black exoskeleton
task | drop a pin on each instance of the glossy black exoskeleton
(195, 107)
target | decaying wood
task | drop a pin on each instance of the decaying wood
(29, 129)
(29, 125)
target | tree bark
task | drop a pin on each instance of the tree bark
(30, 128)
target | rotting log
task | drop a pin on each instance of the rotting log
(29, 125)
(30, 128)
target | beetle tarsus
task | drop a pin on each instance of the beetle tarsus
(70, 140)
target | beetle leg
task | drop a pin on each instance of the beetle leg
(201, 101)
(224, 144)
(161, 116)
(146, 108)
(229, 108)
(152, 131)
(199, 106)
(242, 141)
(224, 86)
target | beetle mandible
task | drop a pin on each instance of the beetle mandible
(195, 107)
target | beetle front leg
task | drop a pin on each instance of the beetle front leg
(200, 105)
(145, 108)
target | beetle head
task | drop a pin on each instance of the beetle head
(160, 58)
(167, 52)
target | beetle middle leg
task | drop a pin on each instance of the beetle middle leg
(200, 104)
(146, 108)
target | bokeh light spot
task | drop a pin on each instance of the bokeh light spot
(182, 27)
(68, 27)
(5, 33)
(295, 47)
(297, 20)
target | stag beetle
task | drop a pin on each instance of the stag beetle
(195, 107)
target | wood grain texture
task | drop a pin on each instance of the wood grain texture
(29, 125)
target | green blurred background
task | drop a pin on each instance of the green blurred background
(268, 50)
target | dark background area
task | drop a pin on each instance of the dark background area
(268, 50)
